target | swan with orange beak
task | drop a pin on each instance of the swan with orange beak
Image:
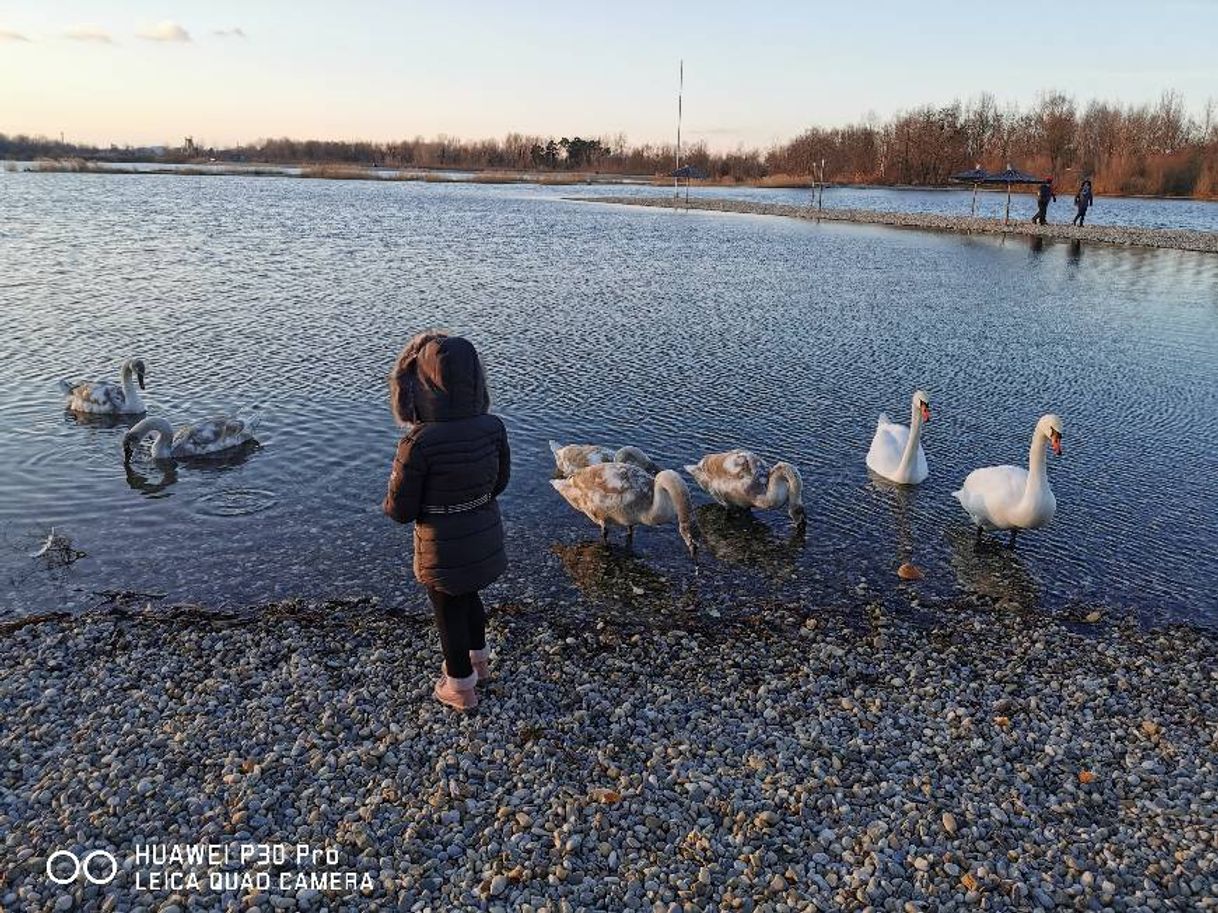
(896, 451)
(1011, 497)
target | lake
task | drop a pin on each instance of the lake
(680, 332)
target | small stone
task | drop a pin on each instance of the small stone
(498, 885)
(909, 571)
(768, 818)
(949, 823)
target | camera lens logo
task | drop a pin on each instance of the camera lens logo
(95, 872)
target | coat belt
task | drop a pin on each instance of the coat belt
(461, 508)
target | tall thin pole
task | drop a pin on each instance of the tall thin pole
(676, 190)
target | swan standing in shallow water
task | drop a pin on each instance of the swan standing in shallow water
(106, 397)
(625, 495)
(896, 451)
(741, 479)
(571, 458)
(198, 440)
(1011, 497)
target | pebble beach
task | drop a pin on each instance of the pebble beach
(971, 757)
(1171, 239)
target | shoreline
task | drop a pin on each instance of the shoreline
(785, 757)
(433, 174)
(1122, 236)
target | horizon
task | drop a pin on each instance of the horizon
(132, 73)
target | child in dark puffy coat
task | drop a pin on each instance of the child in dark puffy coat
(451, 465)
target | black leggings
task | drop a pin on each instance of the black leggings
(461, 621)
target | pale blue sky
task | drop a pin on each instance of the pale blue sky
(756, 73)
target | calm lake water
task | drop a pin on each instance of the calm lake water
(680, 332)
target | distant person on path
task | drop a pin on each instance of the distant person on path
(1083, 201)
(451, 465)
(1043, 196)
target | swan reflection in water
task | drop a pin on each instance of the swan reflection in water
(152, 478)
(101, 421)
(606, 573)
(900, 499)
(997, 574)
(738, 537)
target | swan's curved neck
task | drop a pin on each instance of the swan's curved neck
(1038, 476)
(131, 390)
(915, 438)
(669, 498)
(783, 487)
(162, 442)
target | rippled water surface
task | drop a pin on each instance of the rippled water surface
(680, 332)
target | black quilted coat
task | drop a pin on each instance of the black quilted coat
(450, 467)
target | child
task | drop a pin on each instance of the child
(450, 467)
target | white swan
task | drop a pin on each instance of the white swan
(896, 451)
(741, 479)
(106, 397)
(200, 439)
(571, 458)
(1011, 497)
(625, 495)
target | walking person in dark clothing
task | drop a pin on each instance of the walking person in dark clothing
(1083, 201)
(1043, 196)
(450, 467)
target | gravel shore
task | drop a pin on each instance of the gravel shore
(973, 758)
(1173, 239)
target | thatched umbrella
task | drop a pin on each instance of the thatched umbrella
(1009, 176)
(974, 176)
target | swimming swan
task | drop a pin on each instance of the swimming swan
(896, 451)
(625, 495)
(103, 396)
(571, 458)
(198, 440)
(1011, 497)
(739, 478)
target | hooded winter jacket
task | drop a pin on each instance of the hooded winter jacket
(450, 467)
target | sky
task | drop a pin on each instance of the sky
(756, 73)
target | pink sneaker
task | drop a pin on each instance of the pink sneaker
(481, 660)
(457, 693)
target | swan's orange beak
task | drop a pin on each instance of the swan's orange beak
(925, 412)
(1056, 440)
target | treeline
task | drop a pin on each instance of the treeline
(1148, 149)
